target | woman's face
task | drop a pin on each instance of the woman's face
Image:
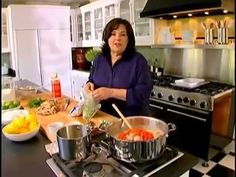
(118, 40)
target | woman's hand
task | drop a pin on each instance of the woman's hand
(102, 93)
(88, 87)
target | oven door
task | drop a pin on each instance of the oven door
(193, 126)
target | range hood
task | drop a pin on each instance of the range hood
(166, 9)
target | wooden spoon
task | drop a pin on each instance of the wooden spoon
(122, 116)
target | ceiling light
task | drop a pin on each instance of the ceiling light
(225, 11)
(206, 13)
(190, 15)
(175, 16)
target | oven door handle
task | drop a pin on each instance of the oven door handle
(155, 106)
(188, 115)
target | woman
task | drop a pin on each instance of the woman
(120, 75)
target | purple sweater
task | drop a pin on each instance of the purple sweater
(131, 74)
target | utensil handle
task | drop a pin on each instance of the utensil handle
(122, 116)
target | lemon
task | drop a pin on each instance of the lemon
(12, 128)
(9, 129)
(33, 126)
(20, 122)
(23, 130)
(31, 118)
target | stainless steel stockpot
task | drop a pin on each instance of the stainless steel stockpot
(138, 151)
(74, 142)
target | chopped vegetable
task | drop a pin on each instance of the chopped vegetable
(136, 134)
(104, 124)
(35, 102)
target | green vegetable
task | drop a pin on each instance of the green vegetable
(10, 104)
(35, 102)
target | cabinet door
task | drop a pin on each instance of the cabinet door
(5, 34)
(73, 30)
(54, 47)
(143, 27)
(125, 11)
(79, 27)
(87, 26)
(28, 65)
(110, 12)
(98, 23)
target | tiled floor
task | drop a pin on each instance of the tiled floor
(222, 164)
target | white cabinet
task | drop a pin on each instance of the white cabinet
(5, 35)
(94, 18)
(42, 46)
(97, 14)
(143, 27)
(76, 28)
(79, 78)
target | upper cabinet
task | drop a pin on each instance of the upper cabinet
(5, 33)
(96, 15)
(143, 27)
(76, 27)
(94, 18)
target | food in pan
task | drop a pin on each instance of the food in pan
(136, 134)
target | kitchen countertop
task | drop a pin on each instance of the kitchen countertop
(27, 159)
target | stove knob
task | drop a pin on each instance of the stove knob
(159, 95)
(171, 98)
(186, 99)
(153, 93)
(179, 100)
(203, 104)
(192, 102)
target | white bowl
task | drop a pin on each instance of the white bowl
(54, 126)
(21, 136)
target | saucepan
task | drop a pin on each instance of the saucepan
(138, 151)
(74, 142)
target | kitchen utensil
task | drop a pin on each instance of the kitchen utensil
(209, 36)
(203, 25)
(222, 35)
(122, 116)
(138, 151)
(74, 142)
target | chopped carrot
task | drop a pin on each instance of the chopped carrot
(136, 132)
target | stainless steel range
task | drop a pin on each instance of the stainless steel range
(101, 164)
(192, 109)
(201, 97)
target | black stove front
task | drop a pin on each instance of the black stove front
(102, 164)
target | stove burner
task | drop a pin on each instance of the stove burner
(93, 169)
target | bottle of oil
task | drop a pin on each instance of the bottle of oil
(56, 86)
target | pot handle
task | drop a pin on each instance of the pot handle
(171, 126)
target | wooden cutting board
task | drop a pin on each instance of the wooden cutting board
(62, 116)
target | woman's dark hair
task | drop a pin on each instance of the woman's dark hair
(113, 25)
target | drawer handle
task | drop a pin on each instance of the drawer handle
(155, 106)
(188, 115)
